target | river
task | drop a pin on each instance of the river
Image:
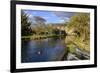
(43, 50)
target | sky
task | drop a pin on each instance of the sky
(50, 16)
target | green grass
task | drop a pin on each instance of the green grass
(83, 45)
(40, 36)
(71, 48)
(74, 40)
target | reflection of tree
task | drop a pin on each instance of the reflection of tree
(25, 24)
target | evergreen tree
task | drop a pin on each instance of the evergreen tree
(25, 25)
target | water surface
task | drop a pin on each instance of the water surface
(49, 49)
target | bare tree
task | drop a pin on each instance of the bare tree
(39, 23)
(39, 20)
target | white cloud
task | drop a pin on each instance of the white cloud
(64, 14)
(61, 20)
(30, 16)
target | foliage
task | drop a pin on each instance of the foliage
(25, 25)
(80, 25)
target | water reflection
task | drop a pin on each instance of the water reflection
(43, 50)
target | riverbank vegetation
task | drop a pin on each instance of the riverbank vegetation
(79, 26)
(77, 29)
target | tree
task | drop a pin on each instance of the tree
(80, 24)
(25, 25)
(39, 23)
(39, 20)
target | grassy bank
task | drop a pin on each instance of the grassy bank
(40, 36)
(73, 42)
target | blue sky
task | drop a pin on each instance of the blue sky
(50, 16)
